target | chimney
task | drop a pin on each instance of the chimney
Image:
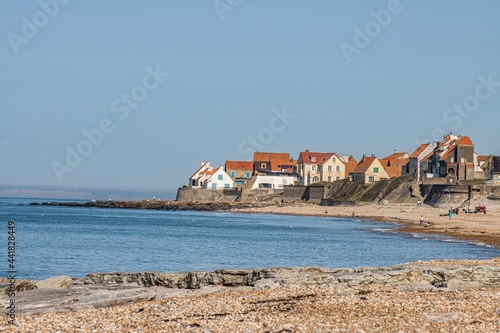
(307, 150)
(373, 155)
(395, 151)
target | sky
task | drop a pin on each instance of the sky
(134, 95)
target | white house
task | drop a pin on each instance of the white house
(273, 182)
(200, 176)
(218, 179)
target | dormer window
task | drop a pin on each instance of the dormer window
(313, 159)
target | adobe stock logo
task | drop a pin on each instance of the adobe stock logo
(265, 136)
(121, 106)
(223, 6)
(373, 28)
(31, 28)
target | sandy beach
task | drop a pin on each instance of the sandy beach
(479, 228)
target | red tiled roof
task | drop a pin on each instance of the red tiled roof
(315, 157)
(448, 153)
(350, 164)
(482, 158)
(393, 166)
(466, 141)
(364, 164)
(276, 159)
(239, 165)
(398, 155)
(416, 153)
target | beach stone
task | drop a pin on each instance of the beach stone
(20, 286)
(56, 282)
(449, 316)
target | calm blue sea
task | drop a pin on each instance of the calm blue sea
(74, 241)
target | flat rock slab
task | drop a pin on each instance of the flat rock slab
(98, 290)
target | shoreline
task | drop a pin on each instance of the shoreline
(477, 228)
(471, 227)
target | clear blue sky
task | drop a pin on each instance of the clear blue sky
(230, 70)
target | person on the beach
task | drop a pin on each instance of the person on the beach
(450, 213)
(421, 219)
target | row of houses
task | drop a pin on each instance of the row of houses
(452, 160)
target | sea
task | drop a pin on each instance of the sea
(55, 240)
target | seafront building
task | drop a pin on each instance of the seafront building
(449, 161)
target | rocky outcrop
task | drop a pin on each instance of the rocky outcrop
(100, 290)
(453, 277)
(56, 282)
(154, 205)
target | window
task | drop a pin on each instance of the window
(319, 168)
(329, 178)
(316, 179)
(248, 174)
(226, 185)
(313, 159)
(334, 160)
(313, 168)
(329, 168)
(337, 168)
(232, 174)
(371, 179)
(375, 170)
(219, 177)
(263, 165)
(337, 178)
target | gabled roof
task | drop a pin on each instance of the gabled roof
(465, 141)
(315, 157)
(203, 165)
(239, 165)
(398, 155)
(447, 154)
(350, 164)
(428, 156)
(276, 159)
(420, 149)
(364, 164)
(482, 158)
(393, 166)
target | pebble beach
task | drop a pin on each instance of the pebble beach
(312, 306)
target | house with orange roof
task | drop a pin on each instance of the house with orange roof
(209, 177)
(350, 164)
(453, 158)
(396, 164)
(198, 178)
(240, 171)
(273, 163)
(315, 167)
(369, 170)
(423, 150)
